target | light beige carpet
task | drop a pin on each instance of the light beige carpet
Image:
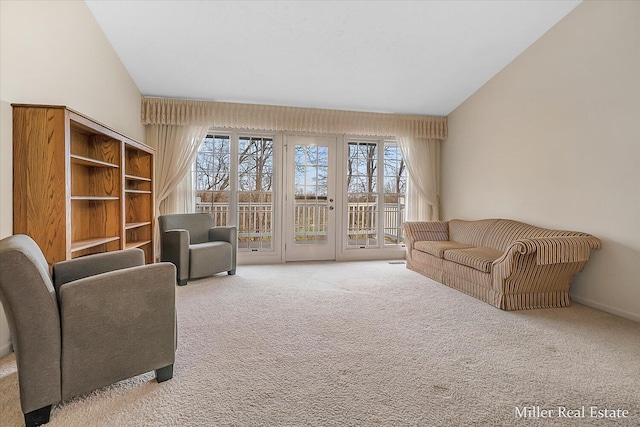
(364, 344)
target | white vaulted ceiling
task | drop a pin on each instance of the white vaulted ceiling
(411, 57)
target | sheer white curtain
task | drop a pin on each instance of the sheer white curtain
(176, 148)
(422, 157)
(185, 194)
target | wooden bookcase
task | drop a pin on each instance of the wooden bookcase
(79, 187)
(138, 202)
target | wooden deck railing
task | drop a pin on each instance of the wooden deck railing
(256, 219)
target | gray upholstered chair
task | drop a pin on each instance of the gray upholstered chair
(196, 247)
(102, 318)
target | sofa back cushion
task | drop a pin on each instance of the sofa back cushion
(469, 232)
(502, 233)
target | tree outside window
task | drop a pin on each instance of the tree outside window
(252, 211)
(366, 186)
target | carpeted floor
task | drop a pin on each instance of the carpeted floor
(365, 344)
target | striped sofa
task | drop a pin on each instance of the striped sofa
(508, 264)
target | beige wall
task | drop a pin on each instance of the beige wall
(54, 52)
(553, 140)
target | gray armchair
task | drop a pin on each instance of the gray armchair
(103, 318)
(196, 247)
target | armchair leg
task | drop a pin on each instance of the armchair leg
(37, 417)
(164, 374)
(182, 282)
(231, 272)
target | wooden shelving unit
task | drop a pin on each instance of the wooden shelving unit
(138, 193)
(79, 187)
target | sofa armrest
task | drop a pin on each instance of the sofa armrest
(116, 325)
(78, 268)
(547, 250)
(175, 249)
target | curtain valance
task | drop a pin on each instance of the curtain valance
(169, 111)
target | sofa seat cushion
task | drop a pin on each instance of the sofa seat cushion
(207, 259)
(477, 258)
(438, 247)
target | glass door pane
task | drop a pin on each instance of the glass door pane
(310, 205)
(362, 194)
(255, 193)
(213, 178)
(311, 193)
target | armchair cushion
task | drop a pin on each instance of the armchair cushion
(207, 259)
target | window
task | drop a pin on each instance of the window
(236, 175)
(255, 193)
(213, 178)
(375, 193)
(234, 182)
(395, 187)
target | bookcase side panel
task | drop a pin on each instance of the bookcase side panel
(40, 181)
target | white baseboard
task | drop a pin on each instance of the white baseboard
(622, 313)
(5, 349)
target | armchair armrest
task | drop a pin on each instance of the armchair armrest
(224, 234)
(175, 249)
(78, 268)
(116, 325)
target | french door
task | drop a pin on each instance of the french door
(310, 195)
